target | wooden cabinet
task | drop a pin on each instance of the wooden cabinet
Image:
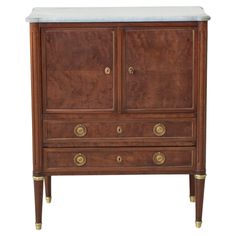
(118, 97)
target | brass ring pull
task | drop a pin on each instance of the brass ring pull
(131, 70)
(159, 129)
(159, 158)
(80, 159)
(107, 71)
(80, 130)
(119, 130)
(119, 159)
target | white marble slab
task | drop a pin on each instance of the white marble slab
(117, 14)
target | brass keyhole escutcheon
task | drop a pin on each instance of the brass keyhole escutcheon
(131, 70)
(107, 71)
(159, 158)
(79, 159)
(80, 130)
(159, 129)
(119, 130)
(119, 159)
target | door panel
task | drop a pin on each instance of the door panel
(74, 76)
(162, 78)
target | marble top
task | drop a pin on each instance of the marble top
(117, 14)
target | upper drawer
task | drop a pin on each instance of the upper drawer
(84, 132)
(78, 69)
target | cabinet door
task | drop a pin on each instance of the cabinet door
(78, 69)
(159, 69)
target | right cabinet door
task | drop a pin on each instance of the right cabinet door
(158, 68)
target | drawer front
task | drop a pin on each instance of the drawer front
(83, 131)
(118, 160)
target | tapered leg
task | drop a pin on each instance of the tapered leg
(38, 195)
(192, 188)
(48, 189)
(199, 194)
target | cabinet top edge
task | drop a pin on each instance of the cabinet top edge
(116, 14)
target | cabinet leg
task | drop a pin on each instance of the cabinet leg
(38, 195)
(48, 188)
(199, 194)
(192, 188)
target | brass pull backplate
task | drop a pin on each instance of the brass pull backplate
(79, 159)
(159, 158)
(159, 129)
(80, 130)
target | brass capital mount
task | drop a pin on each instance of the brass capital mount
(200, 177)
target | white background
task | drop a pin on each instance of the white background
(116, 205)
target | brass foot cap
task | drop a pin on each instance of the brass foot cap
(198, 224)
(48, 199)
(38, 226)
(192, 199)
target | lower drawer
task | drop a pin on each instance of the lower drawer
(119, 160)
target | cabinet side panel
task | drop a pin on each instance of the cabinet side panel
(201, 110)
(35, 49)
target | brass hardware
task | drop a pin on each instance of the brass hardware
(159, 158)
(198, 224)
(38, 178)
(119, 130)
(119, 159)
(192, 198)
(48, 199)
(80, 130)
(131, 70)
(159, 129)
(107, 71)
(79, 159)
(38, 226)
(200, 177)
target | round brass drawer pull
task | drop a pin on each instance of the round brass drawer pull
(119, 130)
(79, 159)
(159, 158)
(131, 70)
(159, 129)
(80, 130)
(107, 71)
(119, 159)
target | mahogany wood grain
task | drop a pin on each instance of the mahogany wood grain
(62, 160)
(48, 190)
(36, 88)
(74, 76)
(120, 142)
(191, 185)
(201, 114)
(179, 130)
(165, 58)
(199, 194)
(118, 24)
(38, 195)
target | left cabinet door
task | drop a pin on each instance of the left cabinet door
(78, 69)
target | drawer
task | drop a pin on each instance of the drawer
(106, 130)
(118, 160)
